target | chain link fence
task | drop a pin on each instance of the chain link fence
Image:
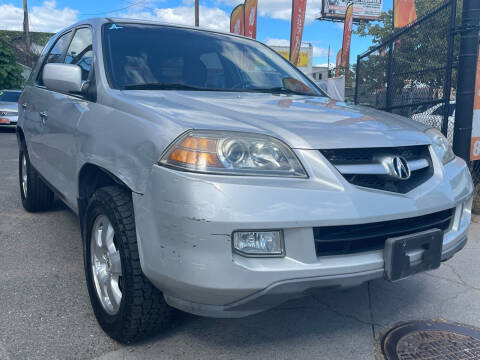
(413, 73)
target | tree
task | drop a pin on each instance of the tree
(10, 72)
(381, 30)
(419, 57)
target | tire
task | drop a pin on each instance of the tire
(141, 310)
(35, 194)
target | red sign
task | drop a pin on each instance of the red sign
(296, 33)
(404, 13)
(237, 18)
(251, 7)
(347, 36)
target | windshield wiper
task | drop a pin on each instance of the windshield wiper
(163, 86)
(280, 90)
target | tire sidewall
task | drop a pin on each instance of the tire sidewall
(108, 322)
(23, 152)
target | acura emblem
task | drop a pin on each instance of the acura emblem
(398, 167)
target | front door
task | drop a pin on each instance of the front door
(35, 100)
(61, 118)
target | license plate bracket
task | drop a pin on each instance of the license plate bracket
(411, 254)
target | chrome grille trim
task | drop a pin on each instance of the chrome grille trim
(379, 169)
(372, 167)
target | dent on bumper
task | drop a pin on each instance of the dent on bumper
(185, 221)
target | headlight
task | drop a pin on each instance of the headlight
(234, 153)
(440, 145)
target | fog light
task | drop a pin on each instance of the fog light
(259, 243)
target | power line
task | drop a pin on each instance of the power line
(111, 11)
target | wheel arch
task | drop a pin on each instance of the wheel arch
(90, 178)
(20, 135)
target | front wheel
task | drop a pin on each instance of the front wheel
(126, 304)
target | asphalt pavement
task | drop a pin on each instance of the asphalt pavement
(45, 311)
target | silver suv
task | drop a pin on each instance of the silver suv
(212, 176)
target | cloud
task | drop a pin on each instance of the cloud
(282, 9)
(317, 51)
(46, 17)
(212, 18)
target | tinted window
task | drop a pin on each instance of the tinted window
(149, 54)
(80, 51)
(9, 96)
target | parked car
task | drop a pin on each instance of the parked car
(211, 176)
(9, 108)
(433, 116)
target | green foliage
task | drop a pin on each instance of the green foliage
(10, 72)
(11, 37)
(15, 40)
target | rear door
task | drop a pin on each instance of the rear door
(34, 104)
(64, 112)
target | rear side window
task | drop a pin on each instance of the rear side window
(80, 51)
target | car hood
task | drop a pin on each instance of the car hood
(304, 122)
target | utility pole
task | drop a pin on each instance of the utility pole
(466, 78)
(197, 14)
(328, 58)
(26, 33)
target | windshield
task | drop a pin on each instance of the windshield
(9, 96)
(164, 57)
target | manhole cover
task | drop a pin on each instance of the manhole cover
(423, 340)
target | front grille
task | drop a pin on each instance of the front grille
(8, 113)
(373, 156)
(350, 239)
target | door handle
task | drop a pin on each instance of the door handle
(43, 116)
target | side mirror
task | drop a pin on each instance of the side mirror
(64, 78)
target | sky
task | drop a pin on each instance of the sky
(273, 20)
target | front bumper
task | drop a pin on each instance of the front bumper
(185, 221)
(8, 121)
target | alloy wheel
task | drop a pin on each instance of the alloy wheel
(106, 265)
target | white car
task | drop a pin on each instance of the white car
(212, 176)
(9, 108)
(434, 116)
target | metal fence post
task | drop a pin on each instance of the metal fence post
(447, 89)
(357, 76)
(466, 78)
(389, 78)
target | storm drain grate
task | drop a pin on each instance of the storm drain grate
(423, 340)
